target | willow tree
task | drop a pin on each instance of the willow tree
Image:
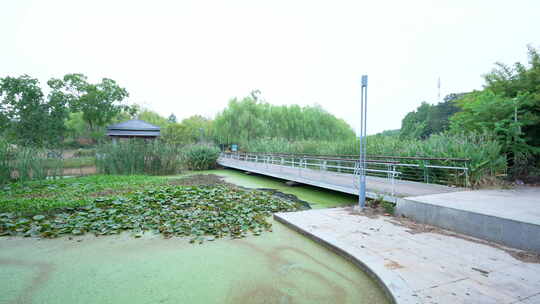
(250, 118)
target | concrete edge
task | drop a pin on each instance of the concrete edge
(504, 231)
(396, 290)
(413, 199)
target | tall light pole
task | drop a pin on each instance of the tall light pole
(362, 160)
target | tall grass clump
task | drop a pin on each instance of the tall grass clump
(137, 156)
(85, 153)
(20, 164)
(5, 171)
(200, 157)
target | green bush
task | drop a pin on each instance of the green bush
(137, 156)
(201, 157)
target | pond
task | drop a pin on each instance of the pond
(317, 197)
(277, 267)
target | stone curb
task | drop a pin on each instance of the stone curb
(395, 288)
(505, 231)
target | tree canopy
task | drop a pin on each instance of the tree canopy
(27, 116)
(153, 118)
(190, 130)
(99, 102)
(508, 107)
(430, 119)
(250, 118)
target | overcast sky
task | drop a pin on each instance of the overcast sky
(191, 57)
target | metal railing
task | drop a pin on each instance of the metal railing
(444, 171)
(315, 169)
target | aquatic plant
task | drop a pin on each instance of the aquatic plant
(202, 213)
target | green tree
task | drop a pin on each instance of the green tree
(416, 123)
(430, 119)
(153, 118)
(27, 116)
(505, 118)
(251, 118)
(99, 102)
(521, 81)
(176, 134)
(198, 128)
(172, 118)
(509, 107)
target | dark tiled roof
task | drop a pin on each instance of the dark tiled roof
(133, 125)
(132, 133)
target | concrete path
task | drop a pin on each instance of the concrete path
(520, 204)
(341, 182)
(510, 217)
(424, 267)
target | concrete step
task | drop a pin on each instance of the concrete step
(508, 217)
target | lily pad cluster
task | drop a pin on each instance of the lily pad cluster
(203, 213)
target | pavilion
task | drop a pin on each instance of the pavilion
(134, 128)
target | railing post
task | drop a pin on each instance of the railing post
(426, 173)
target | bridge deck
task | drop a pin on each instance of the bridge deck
(376, 186)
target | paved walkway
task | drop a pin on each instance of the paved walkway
(510, 217)
(424, 267)
(521, 204)
(339, 181)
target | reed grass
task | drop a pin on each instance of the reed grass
(5, 171)
(486, 160)
(21, 164)
(137, 156)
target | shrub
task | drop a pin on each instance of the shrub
(201, 157)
